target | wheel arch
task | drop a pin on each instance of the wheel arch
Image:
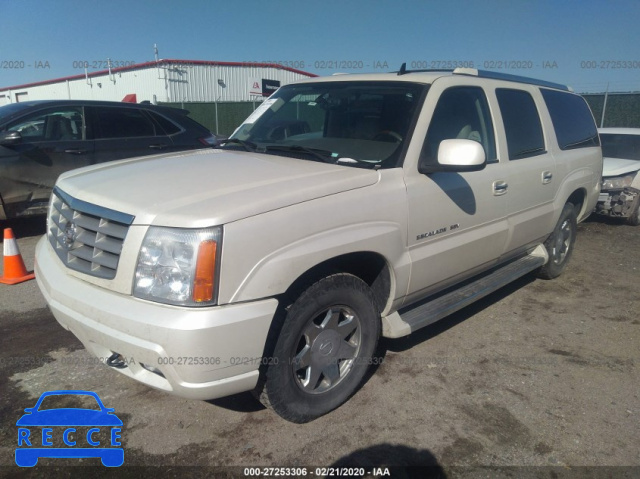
(370, 267)
(3, 211)
(577, 198)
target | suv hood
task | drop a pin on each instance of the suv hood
(208, 187)
(619, 166)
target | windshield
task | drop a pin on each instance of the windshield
(620, 146)
(351, 123)
(9, 110)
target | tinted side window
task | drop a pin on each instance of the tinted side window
(167, 125)
(461, 113)
(572, 120)
(521, 123)
(114, 122)
(54, 124)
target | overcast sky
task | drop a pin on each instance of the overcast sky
(586, 44)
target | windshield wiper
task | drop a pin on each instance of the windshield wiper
(322, 155)
(354, 161)
(248, 145)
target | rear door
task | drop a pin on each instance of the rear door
(53, 140)
(122, 132)
(530, 173)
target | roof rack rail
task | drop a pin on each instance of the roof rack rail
(489, 74)
(509, 77)
(403, 70)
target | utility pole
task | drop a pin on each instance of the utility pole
(604, 106)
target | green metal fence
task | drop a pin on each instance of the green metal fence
(623, 109)
(221, 117)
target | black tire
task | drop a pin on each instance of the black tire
(560, 243)
(325, 347)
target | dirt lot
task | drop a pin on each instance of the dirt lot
(541, 378)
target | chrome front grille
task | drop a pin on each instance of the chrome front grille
(86, 237)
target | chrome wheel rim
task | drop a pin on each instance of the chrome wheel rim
(326, 350)
(562, 242)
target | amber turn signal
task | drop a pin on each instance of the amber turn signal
(205, 272)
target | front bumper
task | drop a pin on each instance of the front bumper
(200, 353)
(618, 203)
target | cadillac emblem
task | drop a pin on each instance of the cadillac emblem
(69, 234)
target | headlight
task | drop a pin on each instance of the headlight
(617, 182)
(179, 266)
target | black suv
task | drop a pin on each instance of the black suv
(41, 139)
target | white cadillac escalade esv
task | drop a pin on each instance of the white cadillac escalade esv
(343, 209)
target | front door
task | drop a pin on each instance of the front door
(457, 221)
(51, 142)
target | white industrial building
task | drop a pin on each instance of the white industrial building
(172, 81)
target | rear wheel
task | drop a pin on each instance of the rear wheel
(560, 243)
(324, 349)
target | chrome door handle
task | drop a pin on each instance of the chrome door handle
(499, 187)
(547, 176)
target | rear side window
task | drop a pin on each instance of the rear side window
(114, 122)
(572, 120)
(168, 126)
(521, 123)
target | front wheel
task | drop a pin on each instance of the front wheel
(560, 243)
(324, 349)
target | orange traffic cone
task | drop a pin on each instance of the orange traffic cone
(14, 269)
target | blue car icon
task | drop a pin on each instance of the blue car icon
(61, 423)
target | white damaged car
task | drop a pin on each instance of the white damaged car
(620, 192)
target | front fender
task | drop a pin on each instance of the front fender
(275, 273)
(263, 255)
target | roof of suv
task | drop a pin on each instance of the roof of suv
(10, 111)
(429, 76)
(32, 103)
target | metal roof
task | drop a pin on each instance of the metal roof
(154, 64)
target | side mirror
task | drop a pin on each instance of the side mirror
(9, 138)
(457, 155)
